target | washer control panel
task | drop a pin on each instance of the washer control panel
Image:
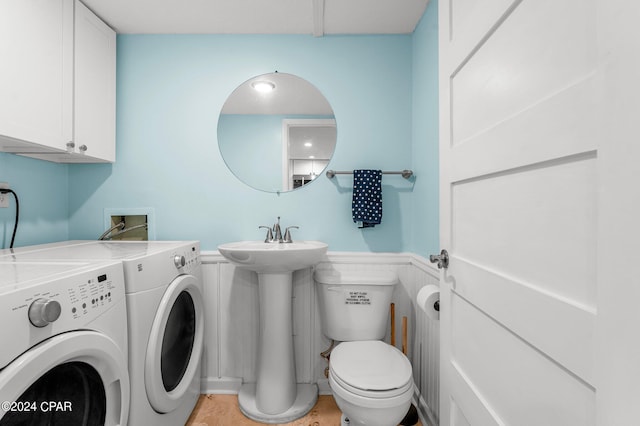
(35, 310)
(187, 259)
(94, 295)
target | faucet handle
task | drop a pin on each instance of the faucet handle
(269, 237)
(287, 234)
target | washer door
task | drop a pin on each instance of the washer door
(76, 378)
(175, 345)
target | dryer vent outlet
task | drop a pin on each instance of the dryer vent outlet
(132, 228)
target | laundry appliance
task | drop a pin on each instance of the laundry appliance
(63, 350)
(165, 317)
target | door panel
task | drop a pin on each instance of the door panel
(556, 127)
(515, 68)
(538, 228)
(519, 212)
(552, 325)
(520, 384)
(471, 20)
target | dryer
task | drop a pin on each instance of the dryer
(63, 356)
(166, 325)
(165, 319)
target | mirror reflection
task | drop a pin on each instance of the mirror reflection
(276, 132)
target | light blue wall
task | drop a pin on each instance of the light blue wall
(260, 149)
(425, 205)
(42, 189)
(252, 144)
(171, 89)
(170, 92)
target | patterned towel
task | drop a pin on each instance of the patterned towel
(366, 206)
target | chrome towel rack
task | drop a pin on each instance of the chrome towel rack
(405, 173)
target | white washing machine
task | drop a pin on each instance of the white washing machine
(63, 350)
(165, 316)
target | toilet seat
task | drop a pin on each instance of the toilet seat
(371, 369)
(383, 400)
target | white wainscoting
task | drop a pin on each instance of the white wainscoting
(231, 315)
(426, 351)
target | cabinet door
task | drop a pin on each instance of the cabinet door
(36, 47)
(95, 81)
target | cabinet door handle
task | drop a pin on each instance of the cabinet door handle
(70, 146)
(83, 148)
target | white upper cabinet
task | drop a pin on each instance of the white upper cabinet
(36, 76)
(57, 82)
(95, 86)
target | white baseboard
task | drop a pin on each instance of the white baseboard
(231, 386)
(220, 385)
(424, 412)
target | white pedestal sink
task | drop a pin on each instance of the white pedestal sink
(275, 397)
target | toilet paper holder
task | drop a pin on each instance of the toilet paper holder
(428, 300)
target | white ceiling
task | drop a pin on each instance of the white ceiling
(317, 17)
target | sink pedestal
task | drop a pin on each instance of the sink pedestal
(275, 397)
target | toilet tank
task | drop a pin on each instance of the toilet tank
(354, 305)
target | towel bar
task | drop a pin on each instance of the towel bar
(405, 173)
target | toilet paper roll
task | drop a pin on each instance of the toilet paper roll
(429, 301)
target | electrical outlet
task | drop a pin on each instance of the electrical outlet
(4, 198)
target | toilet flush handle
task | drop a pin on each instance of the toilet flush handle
(441, 259)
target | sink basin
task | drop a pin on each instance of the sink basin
(264, 257)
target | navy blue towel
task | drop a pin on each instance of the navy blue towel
(366, 206)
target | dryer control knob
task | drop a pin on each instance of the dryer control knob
(44, 311)
(179, 261)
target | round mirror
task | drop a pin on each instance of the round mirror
(276, 132)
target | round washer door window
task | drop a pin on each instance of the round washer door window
(175, 344)
(69, 394)
(77, 378)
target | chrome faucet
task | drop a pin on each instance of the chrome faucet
(274, 234)
(277, 232)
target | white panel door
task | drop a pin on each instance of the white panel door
(532, 161)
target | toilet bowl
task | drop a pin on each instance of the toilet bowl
(371, 382)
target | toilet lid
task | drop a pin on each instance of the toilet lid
(370, 365)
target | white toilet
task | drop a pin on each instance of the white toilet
(371, 380)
